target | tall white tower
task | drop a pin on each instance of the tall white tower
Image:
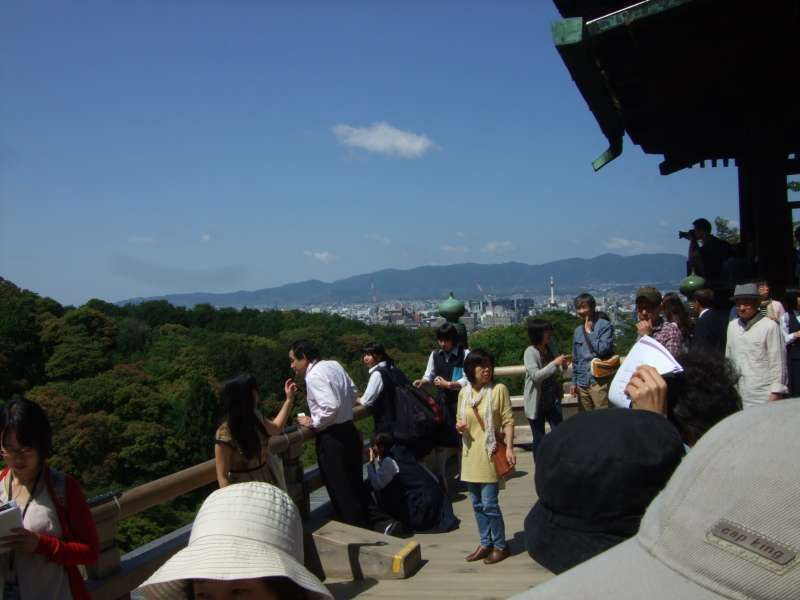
(552, 291)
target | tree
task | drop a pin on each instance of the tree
(726, 231)
(196, 418)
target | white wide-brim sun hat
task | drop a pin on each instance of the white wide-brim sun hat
(243, 531)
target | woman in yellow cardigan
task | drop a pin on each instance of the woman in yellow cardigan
(484, 415)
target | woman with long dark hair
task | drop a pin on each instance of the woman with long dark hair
(40, 559)
(242, 440)
(543, 368)
(675, 311)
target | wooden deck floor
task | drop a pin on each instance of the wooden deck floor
(445, 574)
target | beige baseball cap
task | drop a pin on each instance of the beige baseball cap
(727, 525)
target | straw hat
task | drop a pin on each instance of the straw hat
(243, 531)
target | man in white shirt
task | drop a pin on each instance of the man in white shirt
(330, 393)
(756, 348)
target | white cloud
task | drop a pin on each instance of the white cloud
(323, 256)
(733, 223)
(376, 237)
(205, 237)
(454, 249)
(626, 245)
(381, 137)
(141, 239)
(497, 247)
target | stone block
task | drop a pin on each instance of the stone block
(347, 552)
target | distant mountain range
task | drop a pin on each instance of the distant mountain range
(571, 275)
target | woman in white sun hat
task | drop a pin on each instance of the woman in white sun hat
(246, 542)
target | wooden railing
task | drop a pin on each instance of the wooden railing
(114, 575)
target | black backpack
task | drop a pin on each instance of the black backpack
(416, 417)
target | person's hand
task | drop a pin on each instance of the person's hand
(305, 421)
(647, 390)
(796, 334)
(562, 361)
(442, 383)
(21, 540)
(461, 426)
(644, 328)
(510, 456)
(418, 383)
(290, 388)
(371, 454)
(773, 396)
(573, 390)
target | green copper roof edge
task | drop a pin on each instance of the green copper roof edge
(626, 16)
(570, 42)
(614, 150)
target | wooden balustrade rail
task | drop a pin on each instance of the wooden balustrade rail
(154, 493)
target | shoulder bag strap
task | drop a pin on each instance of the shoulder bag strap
(390, 387)
(478, 416)
(588, 341)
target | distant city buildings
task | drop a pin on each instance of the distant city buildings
(484, 312)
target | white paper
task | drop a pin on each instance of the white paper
(647, 351)
(10, 518)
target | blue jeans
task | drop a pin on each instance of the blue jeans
(491, 527)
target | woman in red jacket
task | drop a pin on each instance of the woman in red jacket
(41, 558)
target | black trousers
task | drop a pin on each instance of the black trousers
(339, 457)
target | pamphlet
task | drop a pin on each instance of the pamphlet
(10, 518)
(647, 351)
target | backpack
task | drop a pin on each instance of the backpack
(416, 417)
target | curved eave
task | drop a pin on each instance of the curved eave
(688, 79)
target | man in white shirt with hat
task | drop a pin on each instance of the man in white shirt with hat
(756, 348)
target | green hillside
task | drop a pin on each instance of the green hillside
(132, 391)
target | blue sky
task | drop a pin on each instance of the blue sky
(159, 147)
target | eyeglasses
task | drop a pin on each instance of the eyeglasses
(19, 452)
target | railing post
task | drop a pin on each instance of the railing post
(293, 472)
(108, 562)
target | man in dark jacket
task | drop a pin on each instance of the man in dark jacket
(709, 253)
(711, 326)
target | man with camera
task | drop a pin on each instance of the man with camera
(707, 253)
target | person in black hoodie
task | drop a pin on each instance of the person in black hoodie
(406, 490)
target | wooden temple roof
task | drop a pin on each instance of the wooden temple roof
(692, 80)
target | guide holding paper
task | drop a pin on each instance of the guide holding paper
(41, 558)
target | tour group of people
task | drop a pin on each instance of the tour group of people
(620, 459)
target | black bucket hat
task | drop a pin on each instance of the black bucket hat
(595, 476)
